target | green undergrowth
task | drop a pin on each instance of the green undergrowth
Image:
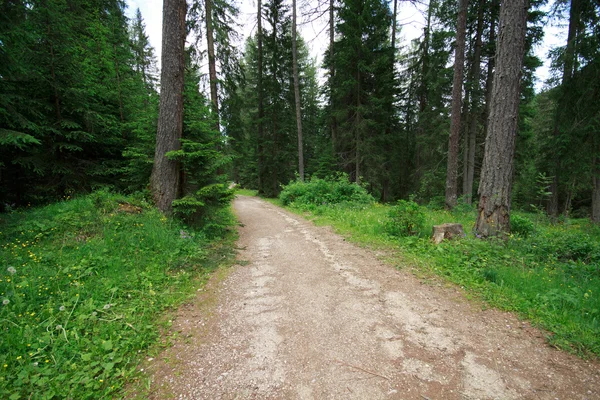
(547, 273)
(245, 192)
(84, 289)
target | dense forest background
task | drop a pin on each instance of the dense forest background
(79, 103)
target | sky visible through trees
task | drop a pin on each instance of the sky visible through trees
(411, 19)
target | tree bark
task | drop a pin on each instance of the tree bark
(332, 73)
(491, 62)
(453, 141)
(297, 93)
(212, 63)
(261, 111)
(165, 180)
(497, 172)
(473, 114)
(596, 180)
(568, 69)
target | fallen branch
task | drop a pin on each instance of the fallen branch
(363, 370)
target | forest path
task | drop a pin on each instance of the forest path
(307, 315)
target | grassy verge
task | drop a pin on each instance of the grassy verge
(83, 289)
(549, 273)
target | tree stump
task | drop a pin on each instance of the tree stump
(447, 231)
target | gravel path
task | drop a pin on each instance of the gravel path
(307, 315)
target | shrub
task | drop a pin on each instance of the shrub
(405, 218)
(521, 226)
(319, 192)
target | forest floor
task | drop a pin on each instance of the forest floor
(307, 315)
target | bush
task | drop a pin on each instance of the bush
(320, 192)
(406, 218)
(521, 226)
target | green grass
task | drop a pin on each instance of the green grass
(245, 192)
(84, 289)
(550, 275)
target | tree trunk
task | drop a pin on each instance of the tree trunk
(473, 115)
(165, 180)
(568, 69)
(491, 63)
(212, 64)
(260, 150)
(422, 92)
(297, 94)
(332, 73)
(596, 180)
(453, 141)
(497, 172)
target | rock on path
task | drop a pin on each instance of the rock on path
(307, 315)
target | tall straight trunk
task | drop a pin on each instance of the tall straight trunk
(261, 111)
(332, 73)
(473, 115)
(394, 23)
(568, 69)
(596, 180)
(491, 63)
(422, 90)
(297, 93)
(425, 60)
(57, 107)
(212, 63)
(358, 125)
(165, 179)
(497, 172)
(119, 92)
(385, 190)
(453, 141)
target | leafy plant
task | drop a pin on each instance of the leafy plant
(324, 192)
(406, 218)
(521, 225)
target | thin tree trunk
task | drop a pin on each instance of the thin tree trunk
(596, 180)
(297, 94)
(212, 64)
(53, 74)
(568, 68)
(497, 172)
(260, 158)
(118, 75)
(332, 74)
(473, 115)
(422, 91)
(454, 139)
(165, 179)
(358, 126)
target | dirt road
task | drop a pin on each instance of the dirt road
(307, 315)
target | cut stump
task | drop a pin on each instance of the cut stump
(447, 231)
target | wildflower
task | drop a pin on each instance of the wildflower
(35, 364)
(94, 314)
(61, 308)
(5, 302)
(59, 327)
(11, 270)
(106, 306)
